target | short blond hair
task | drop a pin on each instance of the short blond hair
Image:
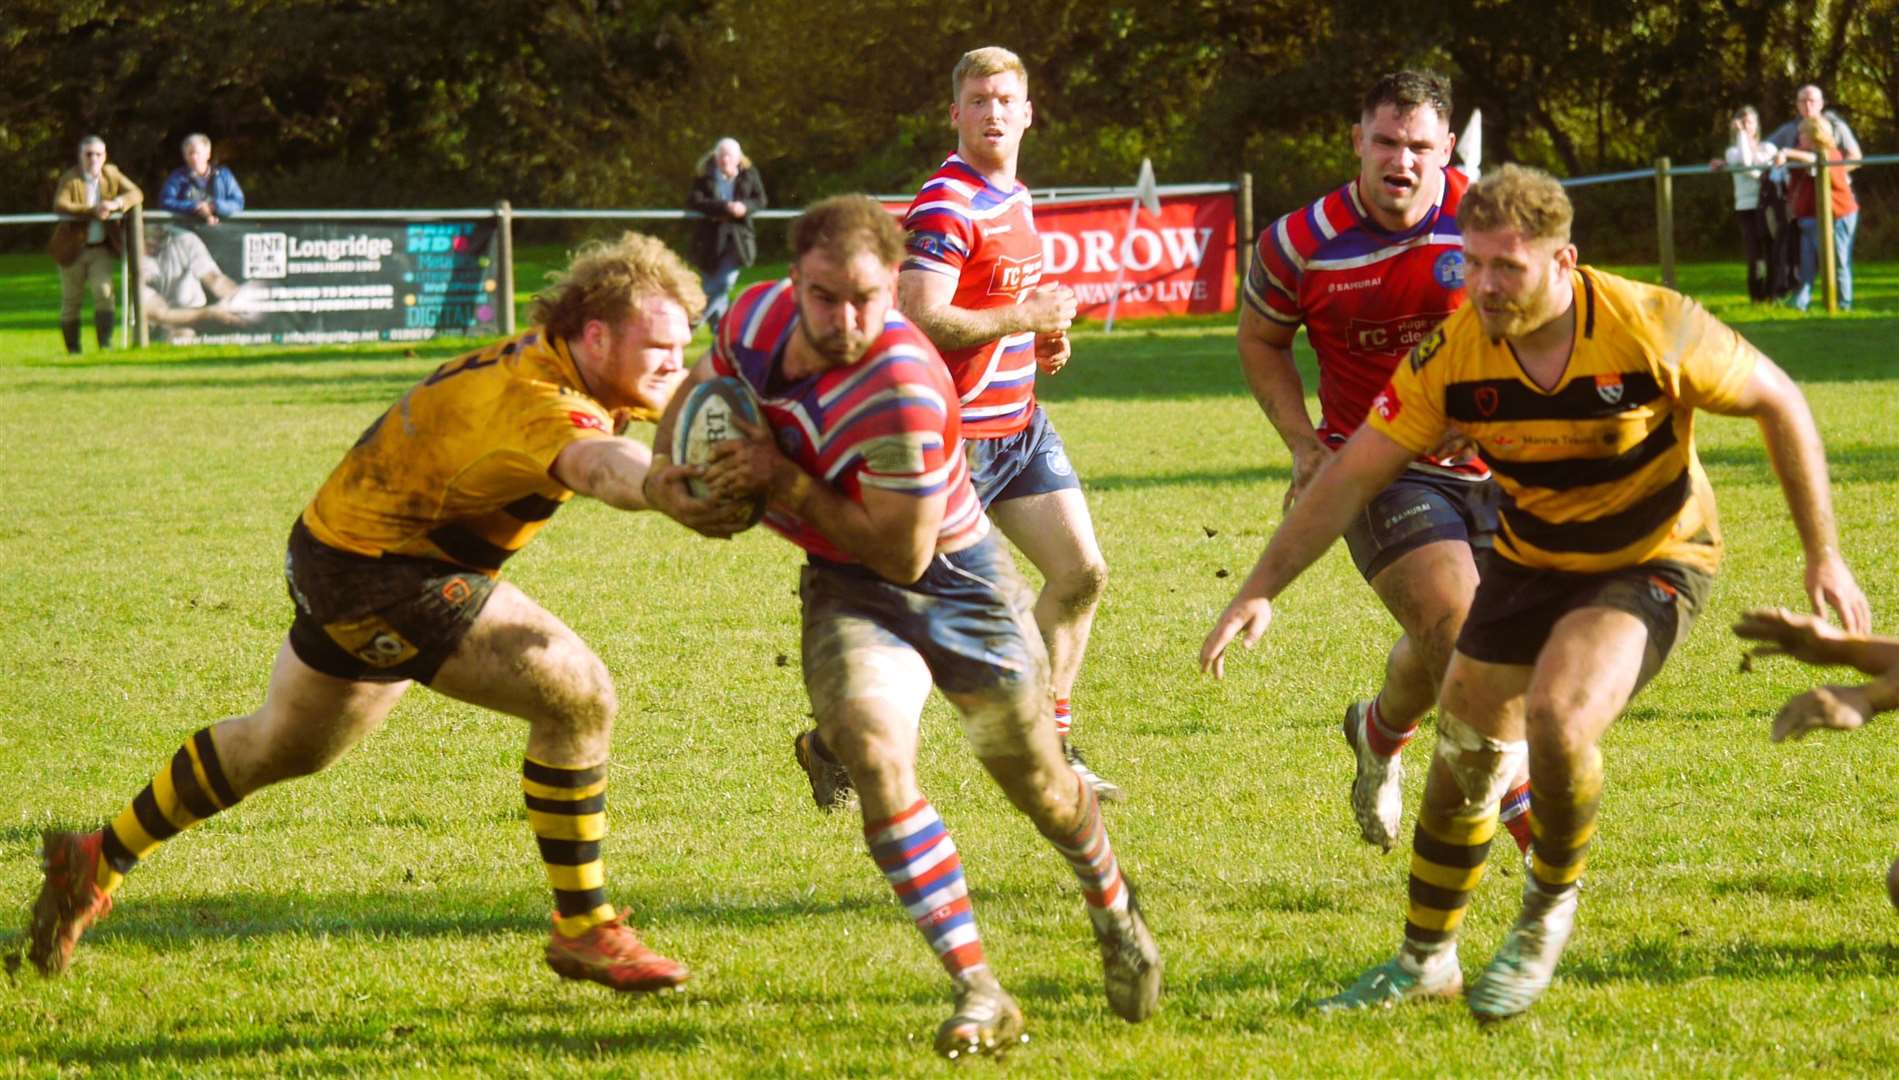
(1516, 197)
(1820, 131)
(982, 63)
(608, 278)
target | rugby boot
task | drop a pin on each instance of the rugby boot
(1378, 788)
(1130, 964)
(612, 955)
(986, 1020)
(1526, 961)
(831, 786)
(1105, 790)
(70, 900)
(1396, 982)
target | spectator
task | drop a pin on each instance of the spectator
(1810, 102)
(89, 243)
(1747, 157)
(727, 191)
(1815, 140)
(200, 189)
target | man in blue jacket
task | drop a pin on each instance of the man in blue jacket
(199, 189)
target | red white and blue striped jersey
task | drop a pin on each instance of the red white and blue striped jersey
(888, 421)
(1366, 296)
(983, 237)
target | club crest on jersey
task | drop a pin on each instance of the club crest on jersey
(1487, 400)
(1012, 277)
(1609, 388)
(1449, 269)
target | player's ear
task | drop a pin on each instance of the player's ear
(1358, 138)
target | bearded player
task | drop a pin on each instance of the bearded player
(1369, 270)
(905, 585)
(394, 570)
(972, 282)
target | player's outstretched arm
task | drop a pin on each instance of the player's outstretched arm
(927, 299)
(1273, 376)
(1366, 465)
(1793, 445)
(1812, 640)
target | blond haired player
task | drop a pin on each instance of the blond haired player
(394, 572)
(1580, 390)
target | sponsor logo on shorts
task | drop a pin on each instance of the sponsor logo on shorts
(456, 591)
(1408, 512)
(1660, 591)
(1058, 464)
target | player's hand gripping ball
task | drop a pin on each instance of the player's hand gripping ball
(705, 419)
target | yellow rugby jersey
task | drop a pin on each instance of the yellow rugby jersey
(1599, 473)
(458, 468)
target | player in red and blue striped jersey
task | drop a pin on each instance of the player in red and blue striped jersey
(905, 586)
(973, 282)
(1369, 270)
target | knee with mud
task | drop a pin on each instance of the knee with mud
(1081, 589)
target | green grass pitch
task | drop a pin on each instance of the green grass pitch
(387, 916)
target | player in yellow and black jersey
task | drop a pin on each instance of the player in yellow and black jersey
(392, 568)
(1579, 389)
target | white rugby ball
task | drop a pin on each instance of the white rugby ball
(705, 418)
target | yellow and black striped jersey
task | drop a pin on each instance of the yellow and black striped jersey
(1599, 473)
(458, 469)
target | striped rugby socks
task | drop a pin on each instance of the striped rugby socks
(919, 860)
(1064, 718)
(567, 810)
(1382, 740)
(1515, 815)
(1092, 859)
(192, 788)
(1447, 861)
(1563, 823)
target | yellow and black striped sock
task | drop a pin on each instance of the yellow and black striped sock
(1448, 856)
(1562, 823)
(193, 787)
(567, 809)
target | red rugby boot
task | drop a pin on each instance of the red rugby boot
(69, 902)
(612, 955)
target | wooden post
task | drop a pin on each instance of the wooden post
(1243, 214)
(139, 333)
(1665, 220)
(1823, 215)
(504, 268)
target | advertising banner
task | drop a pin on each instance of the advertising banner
(318, 282)
(1179, 263)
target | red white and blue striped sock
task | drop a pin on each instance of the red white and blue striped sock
(1515, 814)
(1092, 859)
(1063, 721)
(1383, 740)
(918, 857)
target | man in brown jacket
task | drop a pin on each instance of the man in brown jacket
(90, 242)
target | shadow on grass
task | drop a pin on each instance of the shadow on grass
(1845, 464)
(1251, 475)
(1677, 960)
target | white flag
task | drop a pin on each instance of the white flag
(1145, 190)
(1470, 145)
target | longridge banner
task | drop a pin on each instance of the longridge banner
(318, 282)
(1178, 264)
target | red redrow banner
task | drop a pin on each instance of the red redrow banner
(1181, 263)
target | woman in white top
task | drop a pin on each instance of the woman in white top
(1748, 159)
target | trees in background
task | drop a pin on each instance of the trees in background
(609, 102)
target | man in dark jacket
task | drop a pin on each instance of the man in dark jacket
(726, 193)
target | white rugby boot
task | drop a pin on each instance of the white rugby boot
(987, 1020)
(1378, 789)
(1526, 961)
(1400, 980)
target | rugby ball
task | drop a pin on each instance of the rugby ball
(705, 417)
